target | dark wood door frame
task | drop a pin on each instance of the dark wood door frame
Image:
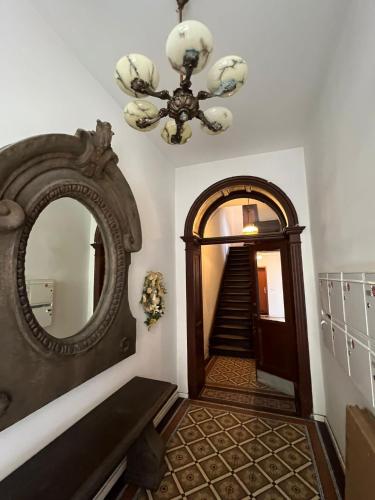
(196, 220)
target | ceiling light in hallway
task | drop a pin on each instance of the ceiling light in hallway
(188, 49)
(250, 229)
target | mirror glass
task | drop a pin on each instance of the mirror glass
(270, 285)
(64, 267)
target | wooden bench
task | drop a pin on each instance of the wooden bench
(78, 463)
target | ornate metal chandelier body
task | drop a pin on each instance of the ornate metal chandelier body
(188, 49)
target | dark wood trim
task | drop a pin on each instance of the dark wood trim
(334, 460)
(290, 235)
(195, 346)
(234, 196)
(296, 270)
(220, 240)
(252, 183)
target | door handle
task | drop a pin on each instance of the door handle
(265, 290)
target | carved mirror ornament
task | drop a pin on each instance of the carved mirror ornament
(35, 365)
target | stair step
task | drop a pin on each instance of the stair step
(244, 269)
(223, 350)
(237, 272)
(237, 293)
(240, 289)
(230, 342)
(229, 302)
(237, 279)
(234, 309)
(241, 285)
(230, 337)
(233, 327)
(234, 317)
(235, 301)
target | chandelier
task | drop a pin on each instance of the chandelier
(188, 49)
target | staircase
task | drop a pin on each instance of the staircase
(232, 329)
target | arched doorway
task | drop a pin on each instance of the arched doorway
(287, 239)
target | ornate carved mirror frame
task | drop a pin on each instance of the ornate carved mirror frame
(36, 367)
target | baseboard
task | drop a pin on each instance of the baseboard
(333, 456)
(337, 449)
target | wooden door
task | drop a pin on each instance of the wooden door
(262, 290)
(276, 344)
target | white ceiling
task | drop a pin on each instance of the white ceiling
(287, 44)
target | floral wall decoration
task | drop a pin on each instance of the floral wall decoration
(153, 297)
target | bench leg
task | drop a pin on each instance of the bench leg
(145, 460)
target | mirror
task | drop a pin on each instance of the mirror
(64, 267)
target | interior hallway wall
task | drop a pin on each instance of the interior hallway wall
(340, 155)
(223, 222)
(45, 89)
(287, 170)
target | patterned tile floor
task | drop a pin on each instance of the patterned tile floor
(219, 452)
(267, 402)
(231, 372)
(233, 380)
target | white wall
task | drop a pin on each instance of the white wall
(59, 249)
(223, 222)
(43, 89)
(287, 170)
(340, 155)
(272, 262)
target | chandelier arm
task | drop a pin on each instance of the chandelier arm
(142, 87)
(203, 95)
(147, 122)
(180, 7)
(191, 59)
(214, 126)
(177, 137)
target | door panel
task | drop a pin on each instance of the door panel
(276, 345)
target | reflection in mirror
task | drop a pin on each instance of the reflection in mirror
(234, 216)
(270, 285)
(61, 267)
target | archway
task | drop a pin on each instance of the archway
(288, 238)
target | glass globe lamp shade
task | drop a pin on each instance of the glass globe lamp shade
(135, 66)
(227, 76)
(138, 109)
(189, 37)
(170, 129)
(220, 115)
(250, 229)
